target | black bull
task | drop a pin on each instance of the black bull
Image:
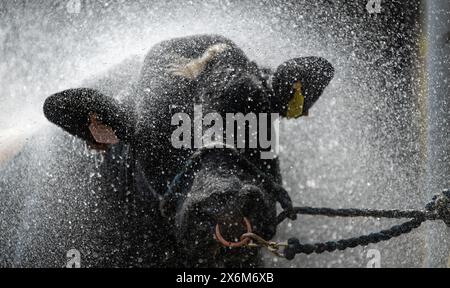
(176, 74)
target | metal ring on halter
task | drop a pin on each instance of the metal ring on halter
(241, 243)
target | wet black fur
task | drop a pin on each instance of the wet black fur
(231, 83)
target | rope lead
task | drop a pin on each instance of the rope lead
(437, 209)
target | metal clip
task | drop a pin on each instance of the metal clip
(257, 241)
(251, 240)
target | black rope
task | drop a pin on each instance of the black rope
(295, 247)
(329, 212)
(437, 209)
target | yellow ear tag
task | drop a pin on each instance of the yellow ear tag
(295, 105)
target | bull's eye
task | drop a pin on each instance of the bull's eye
(296, 104)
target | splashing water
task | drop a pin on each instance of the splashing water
(364, 145)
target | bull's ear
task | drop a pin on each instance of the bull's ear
(90, 115)
(298, 83)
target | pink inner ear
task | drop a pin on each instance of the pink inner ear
(102, 133)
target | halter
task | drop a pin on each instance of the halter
(175, 197)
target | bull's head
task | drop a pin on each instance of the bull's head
(220, 186)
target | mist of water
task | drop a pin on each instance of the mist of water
(362, 146)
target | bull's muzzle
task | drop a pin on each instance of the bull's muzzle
(210, 222)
